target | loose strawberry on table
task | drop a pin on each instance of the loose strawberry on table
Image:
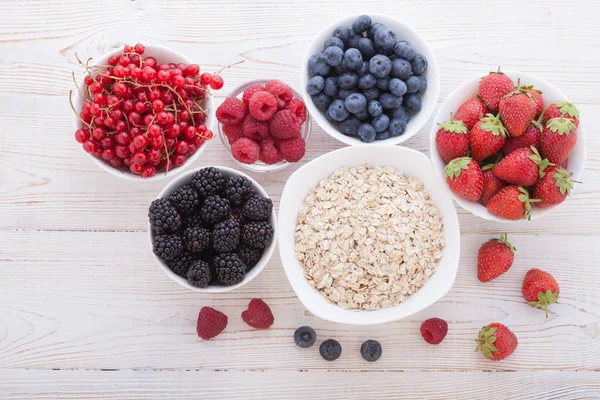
(452, 140)
(471, 111)
(554, 187)
(540, 289)
(464, 178)
(511, 202)
(496, 341)
(558, 140)
(521, 167)
(487, 137)
(495, 257)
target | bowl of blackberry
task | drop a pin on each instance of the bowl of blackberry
(212, 229)
(369, 78)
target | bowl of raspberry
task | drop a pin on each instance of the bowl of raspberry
(144, 112)
(264, 125)
(370, 78)
(212, 229)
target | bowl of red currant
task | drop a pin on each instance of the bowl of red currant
(144, 112)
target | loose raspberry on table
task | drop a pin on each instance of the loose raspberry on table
(258, 315)
(245, 150)
(434, 330)
(210, 323)
(284, 125)
(250, 90)
(298, 109)
(231, 111)
(254, 129)
(269, 153)
(292, 150)
(233, 132)
(262, 106)
(282, 92)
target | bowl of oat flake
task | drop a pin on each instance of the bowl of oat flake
(368, 237)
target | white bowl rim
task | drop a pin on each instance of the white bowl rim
(125, 174)
(433, 86)
(265, 258)
(473, 207)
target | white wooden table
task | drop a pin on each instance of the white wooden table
(85, 312)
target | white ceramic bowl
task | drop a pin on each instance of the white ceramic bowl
(162, 55)
(409, 161)
(186, 178)
(403, 32)
(469, 90)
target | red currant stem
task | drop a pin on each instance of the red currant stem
(200, 107)
(75, 81)
(76, 113)
(167, 154)
(176, 112)
(151, 121)
(229, 66)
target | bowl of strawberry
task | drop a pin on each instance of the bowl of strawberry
(143, 112)
(264, 125)
(508, 145)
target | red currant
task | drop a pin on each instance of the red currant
(181, 147)
(217, 82)
(99, 98)
(162, 118)
(149, 171)
(148, 118)
(123, 138)
(90, 146)
(136, 168)
(163, 76)
(206, 78)
(127, 105)
(184, 115)
(178, 80)
(157, 142)
(97, 133)
(154, 130)
(148, 73)
(158, 106)
(192, 70)
(107, 142)
(154, 94)
(139, 48)
(179, 160)
(170, 143)
(139, 142)
(149, 62)
(139, 158)
(154, 155)
(173, 131)
(81, 135)
(124, 60)
(134, 118)
(122, 151)
(127, 49)
(108, 154)
(120, 126)
(190, 132)
(119, 89)
(108, 121)
(88, 80)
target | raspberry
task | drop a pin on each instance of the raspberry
(254, 129)
(245, 150)
(233, 132)
(258, 315)
(231, 111)
(284, 125)
(263, 106)
(269, 153)
(250, 90)
(282, 92)
(298, 109)
(434, 330)
(210, 323)
(292, 150)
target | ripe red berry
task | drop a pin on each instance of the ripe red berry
(149, 171)
(139, 48)
(81, 135)
(90, 146)
(217, 82)
(182, 147)
(206, 78)
(192, 70)
(179, 160)
(123, 138)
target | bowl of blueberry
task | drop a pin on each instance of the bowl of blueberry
(369, 78)
(212, 229)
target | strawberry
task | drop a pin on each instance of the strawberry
(540, 289)
(491, 184)
(496, 341)
(258, 315)
(554, 187)
(561, 109)
(539, 101)
(493, 87)
(464, 178)
(558, 139)
(471, 111)
(452, 140)
(495, 257)
(521, 167)
(511, 202)
(487, 137)
(210, 323)
(517, 110)
(531, 137)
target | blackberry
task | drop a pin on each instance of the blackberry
(167, 247)
(185, 199)
(229, 268)
(330, 349)
(237, 188)
(190, 221)
(257, 208)
(215, 209)
(257, 234)
(196, 239)
(250, 256)
(181, 264)
(226, 236)
(371, 350)
(208, 181)
(199, 274)
(163, 216)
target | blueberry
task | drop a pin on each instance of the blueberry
(371, 94)
(334, 55)
(347, 80)
(388, 100)
(380, 123)
(342, 32)
(383, 84)
(343, 93)
(352, 59)
(372, 29)
(401, 69)
(412, 102)
(366, 47)
(397, 127)
(328, 116)
(356, 102)
(366, 82)
(385, 38)
(305, 336)
(418, 64)
(349, 127)
(331, 87)
(385, 51)
(362, 115)
(321, 101)
(374, 108)
(400, 113)
(404, 50)
(412, 84)
(330, 350)
(337, 111)
(315, 85)
(361, 24)
(366, 132)
(371, 350)
(397, 87)
(333, 41)
(380, 66)
(422, 83)
(353, 40)
(382, 135)
(364, 69)
(317, 64)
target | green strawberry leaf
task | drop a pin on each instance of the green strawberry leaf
(493, 124)
(455, 167)
(504, 240)
(454, 126)
(567, 108)
(561, 125)
(563, 181)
